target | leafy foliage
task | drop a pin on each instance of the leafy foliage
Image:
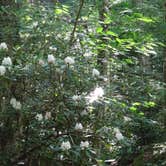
(58, 107)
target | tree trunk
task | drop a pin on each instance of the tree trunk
(164, 63)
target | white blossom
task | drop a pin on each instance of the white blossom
(35, 24)
(116, 130)
(65, 145)
(2, 70)
(127, 119)
(78, 126)
(95, 95)
(84, 144)
(18, 105)
(119, 136)
(48, 115)
(51, 58)
(53, 48)
(3, 46)
(15, 104)
(7, 61)
(69, 60)
(87, 54)
(39, 117)
(76, 97)
(95, 73)
(41, 62)
(13, 101)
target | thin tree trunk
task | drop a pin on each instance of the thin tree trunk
(164, 63)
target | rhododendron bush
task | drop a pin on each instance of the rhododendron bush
(52, 108)
(52, 100)
(57, 107)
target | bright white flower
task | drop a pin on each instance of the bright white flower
(3, 46)
(84, 144)
(127, 119)
(15, 104)
(48, 115)
(69, 60)
(39, 117)
(53, 48)
(13, 101)
(95, 95)
(51, 59)
(65, 145)
(76, 97)
(7, 61)
(95, 73)
(18, 105)
(35, 24)
(119, 136)
(2, 70)
(87, 54)
(41, 62)
(78, 126)
(116, 130)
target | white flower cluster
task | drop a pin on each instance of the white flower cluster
(95, 73)
(76, 97)
(84, 144)
(41, 62)
(6, 62)
(78, 126)
(51, 59)
(65, 146)
(95, 95)
(69, 60)
(118, 134)
(53, 48)
(2, 70)
(15, 104)
(39, 117)
(3, 46)
(48, 115)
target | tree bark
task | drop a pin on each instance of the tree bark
(164, 63)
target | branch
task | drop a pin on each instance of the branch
(76, 22)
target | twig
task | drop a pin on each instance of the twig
(76, 22)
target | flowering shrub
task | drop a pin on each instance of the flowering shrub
(50, 106)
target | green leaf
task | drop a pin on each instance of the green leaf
(99, 30)
(111, 33)
(146, 19)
